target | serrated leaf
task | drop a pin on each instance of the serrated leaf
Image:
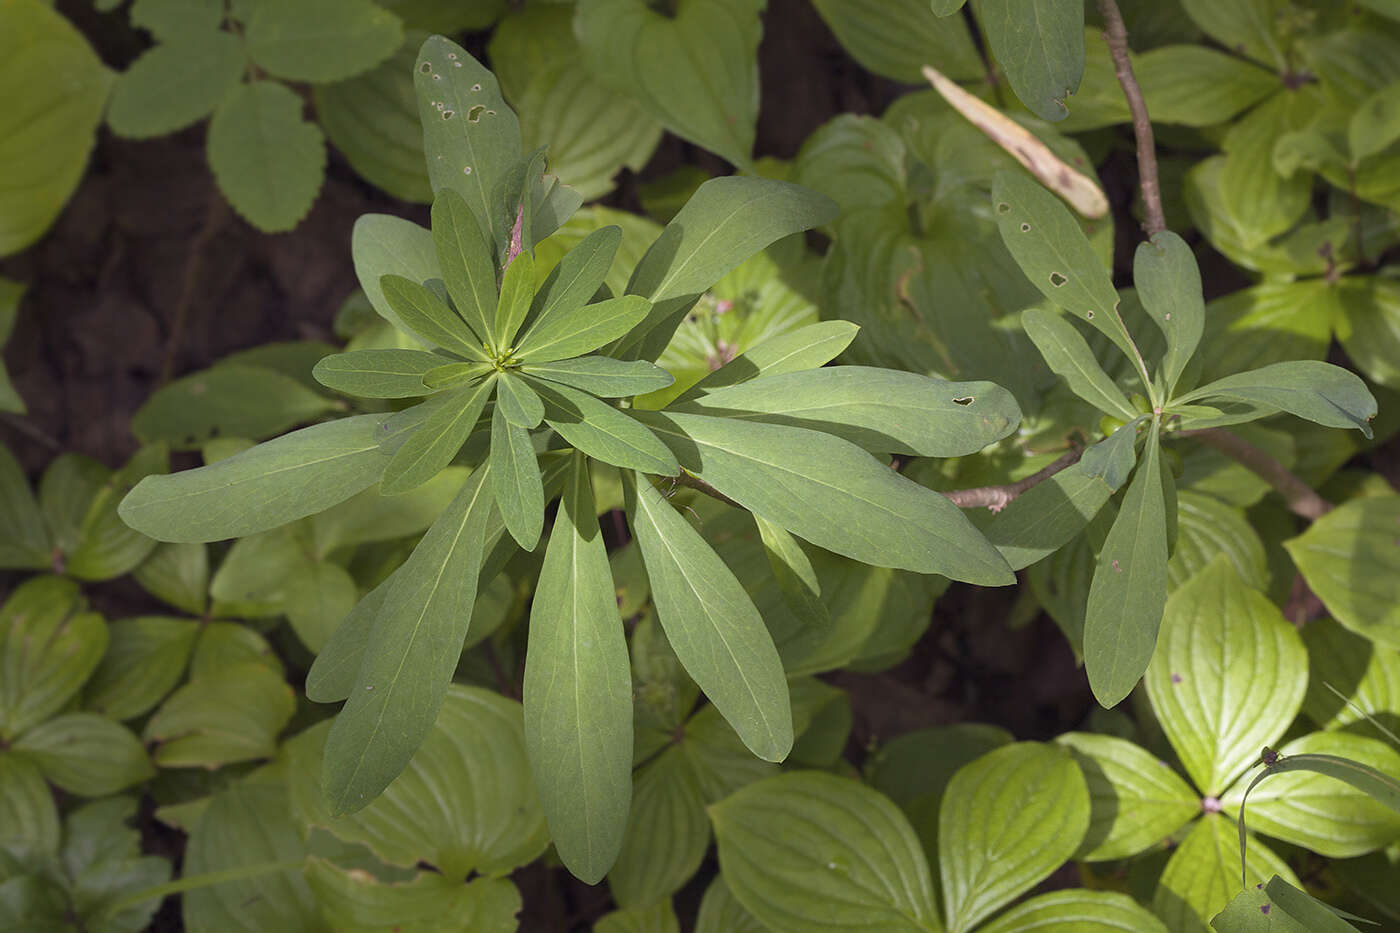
(418, 637)
(515, 480)
(1129, 589)
(604, 432)
(145, 659)
(1169, 285)
(231, 714)
(86, 754)
(809, 852)
(1082, 911)
(895, 39)
(1217, 711)
(320, 40)
(1203, 874)
(518, 402)
(267, 160)
(693, 71)
(777, 471)
(578, 696)
(226, 401)
(465, 803)
(603, 376)
(712, 624)
(1041, 47)
(56, 90)
(565, 335)
(1311, 389)
(1348, 558)
(1316, 810)
(881, 410)
(470, 136)
(275, 482)
(175, 84)
(429, 450)
(24, 537)
(1136, 799)
(388, 373)
(426, 315)
(372, 119)
(48, 647)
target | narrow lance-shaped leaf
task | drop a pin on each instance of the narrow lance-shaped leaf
(711, 623)
(518, 402)
(805, 348)
(578, 690)
(1311, 389)
(418, 637)
(1067, 354)
(517, 291)
(515, 478)
(1130, 586)
(389, 373)
(426, 315)
(468, 270)
(603, 376)
(449, 375)
(575, 280)
(271, 484)
(571, 333)
(793, 570)
(604, 432)
(431, 448)
(1169, 285)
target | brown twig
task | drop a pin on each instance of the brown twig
(997, 498)
(1299, 496)
(694, 482)
(1116, 35)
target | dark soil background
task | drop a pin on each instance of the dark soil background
(148, 275)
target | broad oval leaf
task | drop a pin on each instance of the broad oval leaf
(809, 851)
(667, 832)
(382, 244)
(1228, 677)
(1080, 911)
(1136, 799)
(1207, 527)
(233, 712)
(145, 659)
(388, 373)
(869, 513)
(1368, 325)
(321, 40)
(881, 410)
(351, 898)
(24, 535)
(1203, 874)
(1349, 559)
(48, 647)
(1007, 821)
(712, 624)
(175, 84)
(27, 810)
(1040, 44)
(226, 400)
(895, 39)
(1350, 678)
(1311, 389)
(721, 913)
(603, 376)
(271, 484)
(267, 160)
(86, 754)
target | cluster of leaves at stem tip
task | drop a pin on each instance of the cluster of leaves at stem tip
(528, 379)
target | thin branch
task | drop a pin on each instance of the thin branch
(997, 498)
(696, 483)
(1299, 496)
(1116, 35)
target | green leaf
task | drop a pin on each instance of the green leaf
(1368, 325)
(471, 138)
(371, 516)
(1080, 910)
(145, 659)
(267, 160)
(603, 376)
(1137, 800)
(667, 832)
(813, 852)
(10, 295)
(721, 913)
(1247, 25)
(429, 318)
(1349, 560)
(382, 245)
(1365, 676)
(317, 600)
(27, 811)
(578, 694)
(1253, 912)
(870, 513)
(515, 480)
(805, 348)
(1313, 913)
(1195, 85)
(1375, 123)
(1204, 873)
(1207, 527)
(881, 410)
(320, 40)
(450, 375)
(332, 676)
(431, 448)
(1169, 285)
(604, 432)
(712, 624)
(1041, 47)
(1007, 821)
(517, 293)
(24, 537)
(226, 401)
(175, 84)
(794, 574)
(896, 39)
(693, 71)
(372, 119)
(659, 917)
(1311, 389)
(1130, 586)
(465, 803)
(518, 402)
(168, 20)
(177, 574)
(48, 647)
(55, 90)
(275, 482)
(101, 854)
(1056, 256)
(1264, 204)
(388, 373)
(468, 268)
(230, 714)
(1329, 809)
(1216, 708)
(575, 278)
(1067, 354)
(352, 899)
(418, 636)
(86, 754)
(571, 333)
